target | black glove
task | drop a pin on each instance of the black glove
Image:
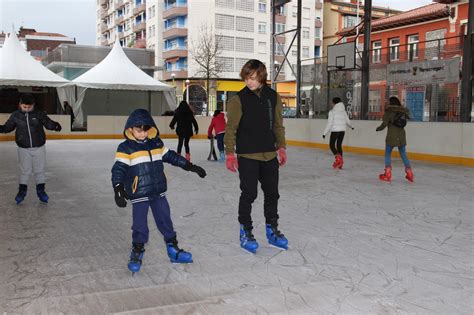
(196, 131)
(196, 169)
(324, 136)
(210, 137)
(352, 128)
(58, 127)
(378, 129)
(171, 127)
(120, 196)
(2, 128)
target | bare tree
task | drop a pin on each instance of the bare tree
(206, 52)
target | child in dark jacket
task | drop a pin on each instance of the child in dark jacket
(30, 138)
(138, 176)
(218, 125)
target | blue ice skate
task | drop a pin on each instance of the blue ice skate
(43, 197)
(21, 194)
(222, 156)
(275, 237)
(136, 257)
(177, 255)
(247, 241)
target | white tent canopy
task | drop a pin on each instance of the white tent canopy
(18, 68)
(117, 72)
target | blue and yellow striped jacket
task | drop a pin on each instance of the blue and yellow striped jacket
(139, 165)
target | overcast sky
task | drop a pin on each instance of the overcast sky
(76, 18)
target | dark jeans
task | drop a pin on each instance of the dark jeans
(335, 142)
(161, 213)
(186, 144)
(250, 173)
(220, 141)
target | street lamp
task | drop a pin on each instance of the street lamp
(187, 90)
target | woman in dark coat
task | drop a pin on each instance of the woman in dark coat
(184, 117)
(396, 137)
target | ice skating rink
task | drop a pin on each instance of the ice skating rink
(357, 245)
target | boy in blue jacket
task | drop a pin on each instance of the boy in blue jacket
(137, 175)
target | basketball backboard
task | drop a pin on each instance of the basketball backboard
(342, 56)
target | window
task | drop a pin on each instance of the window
(262, 47)
(412, 46)
(244, 24)
(226, 42)
(227, 4)
(224, 22)
(317, 51)
(127, 9)
(227, 63)
(244, 44)
(306, 32)
(294, 52)
(279, 28)
(244, 5)
(306, 13)
(394, 44)
(377, 51)
(317, 33)
(127, 25)
(279, 49)
(351, 21)
(262, 6)
(152, 47)
(239, 63)
(151, 12)
(305, 51)
(262, 27)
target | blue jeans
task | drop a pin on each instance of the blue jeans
(220, 142)
(161, 212)
(403, 155)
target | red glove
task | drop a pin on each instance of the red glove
(231, 162)
(282, 156)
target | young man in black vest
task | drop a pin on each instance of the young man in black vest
(255, 132)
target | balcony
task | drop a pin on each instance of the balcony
(120, 35)
(318, 5)
(118, 4)
(119, 20)
(139, 9)
(175, 32)
(318, 23)
(280, 19)
(181, 74)
(139, 27)
(104, 3)
(317, 42)
(140, 43)
(175, 52)
(280, 39)
(103, 27)
(103, 14)
(174, 11)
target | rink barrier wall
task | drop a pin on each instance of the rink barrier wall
(448, 143)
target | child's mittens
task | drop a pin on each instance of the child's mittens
(120, 195)
(195, 169)
(231, 162)
(282, 156)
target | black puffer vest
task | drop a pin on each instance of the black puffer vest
(255, 133)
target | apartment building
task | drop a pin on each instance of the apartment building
(243, 27)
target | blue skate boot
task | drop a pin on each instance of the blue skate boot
(176, 254)
(43, 197)
(275, 237)
(136, 257)
(247, 241)
(21, 193)
(222, 156)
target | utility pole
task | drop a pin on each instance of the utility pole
(364, 104)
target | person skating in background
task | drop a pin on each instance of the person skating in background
(218, 125)
(137, 175)
(30, 138)
(255, 132)
(337, 122)
(184, 118)
(395, 118)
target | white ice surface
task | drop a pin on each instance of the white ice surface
(357, 245)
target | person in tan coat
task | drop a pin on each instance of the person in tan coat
(395, 118)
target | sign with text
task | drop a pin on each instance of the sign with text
(424, 72)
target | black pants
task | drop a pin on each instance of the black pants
(335, 142)
(186, 144)
(250, 173)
